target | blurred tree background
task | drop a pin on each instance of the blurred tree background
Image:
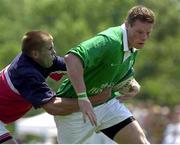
(72, 21)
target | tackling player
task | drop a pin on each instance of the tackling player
(23, 83)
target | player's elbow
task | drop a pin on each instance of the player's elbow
(51, 107)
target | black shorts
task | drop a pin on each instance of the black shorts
(111, 131)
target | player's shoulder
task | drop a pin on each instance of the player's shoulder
(112, 32)
(24, 66)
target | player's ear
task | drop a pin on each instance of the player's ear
(35, 54)
(126, 24)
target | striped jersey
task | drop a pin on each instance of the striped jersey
(23, 85)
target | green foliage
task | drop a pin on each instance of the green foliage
(72, 21)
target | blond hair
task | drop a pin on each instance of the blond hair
(35, 40)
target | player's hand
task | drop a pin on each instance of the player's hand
(87, 110)
(132, 93)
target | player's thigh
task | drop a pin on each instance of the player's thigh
(112, 113)
(72, 130)
(131, 133)
(117, 120)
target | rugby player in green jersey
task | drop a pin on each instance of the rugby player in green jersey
(99, 63)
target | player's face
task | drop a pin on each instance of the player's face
(46, 55)
(138, 33)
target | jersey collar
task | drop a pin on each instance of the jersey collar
(127, 51)
(125, 40)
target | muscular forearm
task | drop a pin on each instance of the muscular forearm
(61, 106)
(65, 106)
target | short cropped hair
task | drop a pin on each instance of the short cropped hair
(141, 13)
(35, 40)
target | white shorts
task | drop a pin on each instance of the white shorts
(72, 129)
(4, 133)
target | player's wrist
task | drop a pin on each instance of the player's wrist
(82, 96)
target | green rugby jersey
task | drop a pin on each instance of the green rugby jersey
(102, 57)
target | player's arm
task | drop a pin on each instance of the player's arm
(61, 106)
(75, 73)
(129, 90)
(65, 106)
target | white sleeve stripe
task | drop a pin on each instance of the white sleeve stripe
(9, 81)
